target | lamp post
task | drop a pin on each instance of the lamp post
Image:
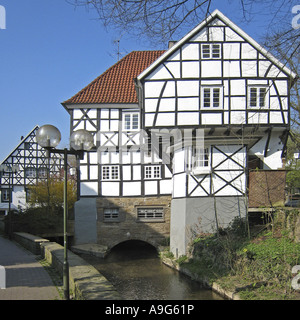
(10, 170)
(81, 140)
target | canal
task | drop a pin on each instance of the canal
(137, 273)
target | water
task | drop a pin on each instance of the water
(137, 273)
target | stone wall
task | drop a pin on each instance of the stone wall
(128, 226)
(86, 283)
(29, 241)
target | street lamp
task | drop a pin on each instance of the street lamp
(81, 140)
(10, 171)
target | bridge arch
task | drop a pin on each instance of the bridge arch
(133, 242)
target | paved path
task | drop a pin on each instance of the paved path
(26, 279)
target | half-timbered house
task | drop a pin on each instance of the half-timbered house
(176, 133)
(32, 165)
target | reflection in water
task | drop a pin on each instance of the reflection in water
(137, 273)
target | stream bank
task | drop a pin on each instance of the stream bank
(243, 265)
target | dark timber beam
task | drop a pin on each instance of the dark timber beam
(269, 131)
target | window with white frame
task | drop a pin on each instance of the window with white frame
(201, 160)
(150, 214)
(212, 97)
(111, 214)
(211, 51)
(152, 172)
(257, 96)
(131, 121)
(30, 172)
(110, 172)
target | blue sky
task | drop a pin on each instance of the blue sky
(49, 51)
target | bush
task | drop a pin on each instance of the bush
(36, 221)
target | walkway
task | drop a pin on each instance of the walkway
(26, 279)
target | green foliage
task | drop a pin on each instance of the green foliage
(50, 193)
(37, 221)
(257, 268)
(270, 257)
(292, 165)
(182, 259)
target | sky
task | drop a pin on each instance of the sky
(50, 50)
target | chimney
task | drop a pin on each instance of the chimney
(171, 43)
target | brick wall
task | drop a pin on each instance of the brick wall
(128, 227)
(266, 188)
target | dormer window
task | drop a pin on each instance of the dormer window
(211, 51)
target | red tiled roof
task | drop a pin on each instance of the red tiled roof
(116, 85)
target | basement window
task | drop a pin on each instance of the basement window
(111, 215)
(150, 214)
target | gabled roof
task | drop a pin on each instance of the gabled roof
(22, 141)
(116, 85)
(229, 23)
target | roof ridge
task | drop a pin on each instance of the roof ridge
(114, 66)
(75, 95)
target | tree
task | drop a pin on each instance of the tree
(50, 194)
(160, 20)
(285, 45)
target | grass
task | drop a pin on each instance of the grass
(258, 268)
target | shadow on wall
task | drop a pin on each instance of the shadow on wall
(113, 220)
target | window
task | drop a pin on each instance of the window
(211, 97)
(257, 97)
(7, 172)
(150, 214)
(111, 214)
(131, 121)
(211, 51)
(27, 145)
(43, 172)
(110, 172)
(201, 161)
(152, 172)
(30, 172)
(5, 195)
